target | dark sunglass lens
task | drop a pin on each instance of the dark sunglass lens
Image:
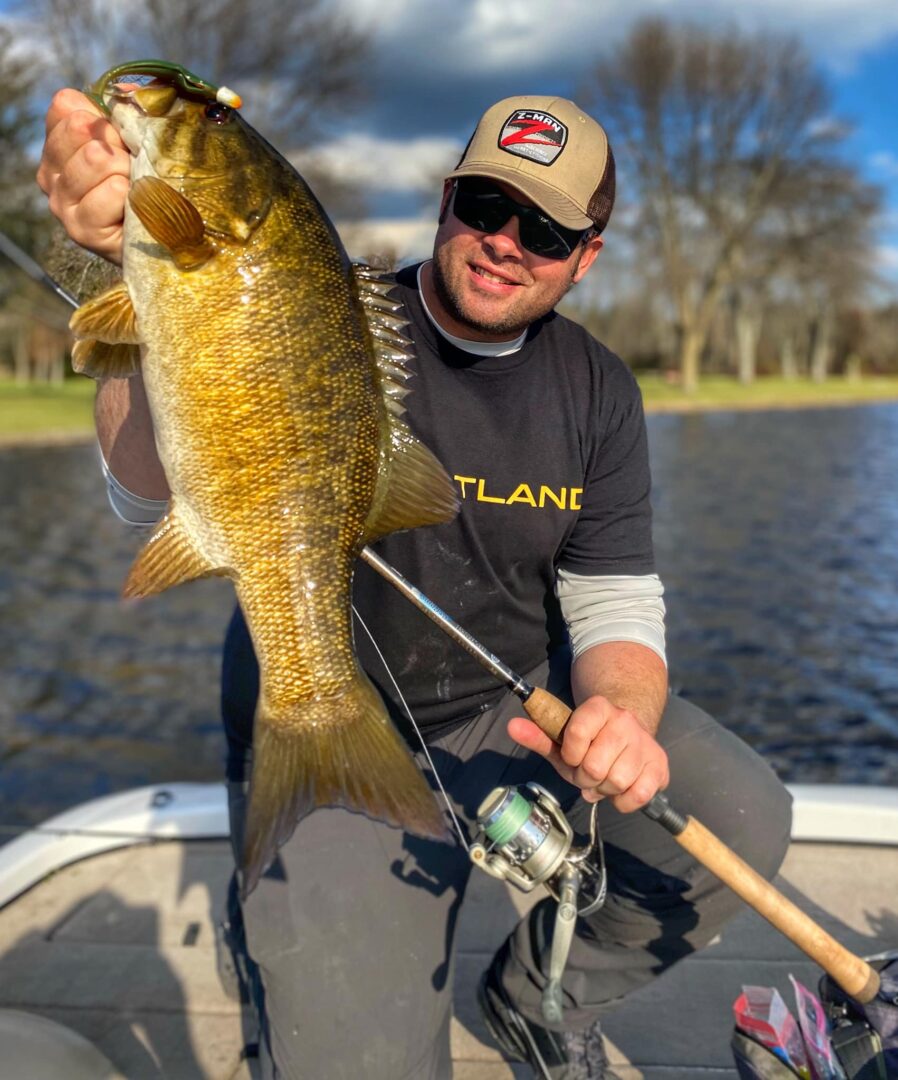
(545, 237)
(542, 240)
(485, 211)
(480, 205)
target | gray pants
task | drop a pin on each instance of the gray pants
(351, 931)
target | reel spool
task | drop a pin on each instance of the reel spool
(529, 841)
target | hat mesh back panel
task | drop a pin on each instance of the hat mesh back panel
(602, 199)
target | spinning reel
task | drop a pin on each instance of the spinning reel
(527, 840)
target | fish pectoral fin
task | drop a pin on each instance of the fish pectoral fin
(100, 360)
(335, 751)
(412, 489)
(172, 220)
(169, 557)
(108, 317)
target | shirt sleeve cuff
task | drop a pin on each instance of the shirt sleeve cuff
(603, 608)
(130, 508)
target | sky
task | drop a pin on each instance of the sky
(435, 68)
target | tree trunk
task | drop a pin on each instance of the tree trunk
(821, 348)
(747, 334)
(58, 373)
(692, 342)
(23, 372)
(854, 367)
(788, 358)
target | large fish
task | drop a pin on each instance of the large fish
(275, 372)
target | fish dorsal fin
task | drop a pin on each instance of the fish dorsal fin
(108, 317)
(100, 360)
(393, 350)
(169, 557)
(413, 487)
(172, 220)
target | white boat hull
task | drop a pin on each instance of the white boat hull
(837, 813)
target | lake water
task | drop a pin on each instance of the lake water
(776, 537)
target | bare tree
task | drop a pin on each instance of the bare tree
(33, 331)
(296, 65)
(830, 256)
(881, 339)
(711, 129)
(748, 293)
(815, 247)
(20, 215)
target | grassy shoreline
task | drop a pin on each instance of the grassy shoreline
(718, 392)
(46, 413)
(49, 414)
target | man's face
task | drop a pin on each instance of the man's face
(487, 286)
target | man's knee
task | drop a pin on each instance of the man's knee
(727, 786)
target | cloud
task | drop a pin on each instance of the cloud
(885, 162)
(26, 37)
(405, 239)
(384, 164)
(481, 36)
(829, 127)
(887, 257)
(435, 68)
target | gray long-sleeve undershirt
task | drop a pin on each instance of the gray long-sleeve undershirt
(612, 607)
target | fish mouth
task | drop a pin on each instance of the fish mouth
(135, 74)
(137, 92)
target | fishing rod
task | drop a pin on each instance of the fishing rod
(853, 974)
(26, 264)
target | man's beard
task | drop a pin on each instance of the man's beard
(513, 323)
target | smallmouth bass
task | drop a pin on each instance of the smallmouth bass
(275, 372)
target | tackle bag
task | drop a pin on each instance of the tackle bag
(865, 1037)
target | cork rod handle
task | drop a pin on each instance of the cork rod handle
(854, 975)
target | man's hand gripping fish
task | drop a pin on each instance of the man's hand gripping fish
(275, 372)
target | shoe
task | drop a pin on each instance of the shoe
(553, 1055)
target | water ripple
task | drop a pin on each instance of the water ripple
(776, 540)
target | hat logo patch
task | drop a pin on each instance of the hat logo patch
(531, 134)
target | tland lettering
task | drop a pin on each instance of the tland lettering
(474, 487)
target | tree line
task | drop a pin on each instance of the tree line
(745, 232)
(743, 236)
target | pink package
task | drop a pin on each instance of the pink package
(815, 1032)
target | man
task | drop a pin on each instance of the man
(350, 934)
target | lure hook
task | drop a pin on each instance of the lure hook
(188, 83)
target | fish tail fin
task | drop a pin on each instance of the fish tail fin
(339, 751)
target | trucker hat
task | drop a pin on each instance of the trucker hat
(549, 149)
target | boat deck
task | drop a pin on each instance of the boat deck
(120, 948)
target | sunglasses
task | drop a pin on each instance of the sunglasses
(480, 205)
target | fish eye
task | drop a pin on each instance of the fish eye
(218, 113)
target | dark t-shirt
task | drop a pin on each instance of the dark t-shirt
(548, 449)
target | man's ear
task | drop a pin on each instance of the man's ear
(591, 249)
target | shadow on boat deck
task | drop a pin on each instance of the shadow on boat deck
(121, 948)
